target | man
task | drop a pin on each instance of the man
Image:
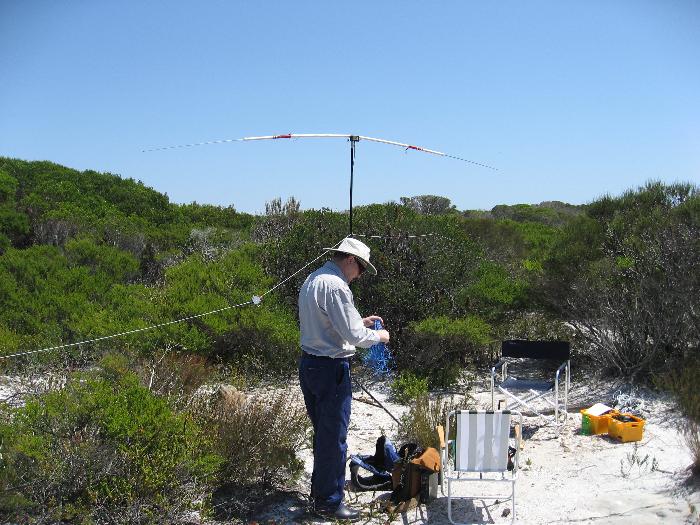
(331, 327)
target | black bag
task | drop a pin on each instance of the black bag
(379, 466)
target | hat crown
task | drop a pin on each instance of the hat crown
(352, 246)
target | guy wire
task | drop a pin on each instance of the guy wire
(160, 325)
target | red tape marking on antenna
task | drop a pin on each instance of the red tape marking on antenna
(287, 136)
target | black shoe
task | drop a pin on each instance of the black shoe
(341, 513)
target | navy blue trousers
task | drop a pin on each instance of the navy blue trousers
(325, 383)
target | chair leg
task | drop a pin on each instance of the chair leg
(449, 501)
(567, 386)
(474, 498)
(556, 405)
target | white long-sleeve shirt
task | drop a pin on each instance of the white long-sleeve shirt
(330, 324)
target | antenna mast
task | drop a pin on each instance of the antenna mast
(353, 140)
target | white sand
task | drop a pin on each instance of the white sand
(570, 478)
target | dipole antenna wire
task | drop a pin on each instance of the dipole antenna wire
(256, 300)
(352, 138)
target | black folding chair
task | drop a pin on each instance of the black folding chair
(541, 383)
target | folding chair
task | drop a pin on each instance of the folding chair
(526, 391)
(480, 453)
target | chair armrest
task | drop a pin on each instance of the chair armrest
(441, 435)
(502, 364)
(497, 365)
(562, 367)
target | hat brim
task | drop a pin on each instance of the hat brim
(368, 265)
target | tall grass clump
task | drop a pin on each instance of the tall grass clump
(419, 424)
(259, 439)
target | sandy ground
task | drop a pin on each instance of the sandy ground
(569, 478)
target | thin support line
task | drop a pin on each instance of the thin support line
(255, 301)
(299, 270)
(137, 330)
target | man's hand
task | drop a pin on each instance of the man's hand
(369, 321)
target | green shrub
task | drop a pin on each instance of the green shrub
(116, 264)
(407, 386)
(14, 225)
(102, 450)
(10, 342)
(545, 213)
(494, 288)
(438, 347)
(422, 260)
(48, 298)
(258, 340)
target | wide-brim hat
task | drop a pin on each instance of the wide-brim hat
(357, 248)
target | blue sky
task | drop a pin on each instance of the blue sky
(568, 100)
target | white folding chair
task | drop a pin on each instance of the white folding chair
(526, 391)
(479, 453)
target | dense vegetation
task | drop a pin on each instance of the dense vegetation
(87, 254)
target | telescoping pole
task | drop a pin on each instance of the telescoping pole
(353, 140)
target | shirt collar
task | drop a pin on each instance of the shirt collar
(330, 265)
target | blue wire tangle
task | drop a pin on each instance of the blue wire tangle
(378, 358)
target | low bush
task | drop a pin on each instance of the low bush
(408, 386)
(692, 440)
(257, 438)
(438, 347)
(494, 291)
(102, 450)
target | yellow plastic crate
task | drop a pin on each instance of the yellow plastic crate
(629, 429)
(593, 425)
